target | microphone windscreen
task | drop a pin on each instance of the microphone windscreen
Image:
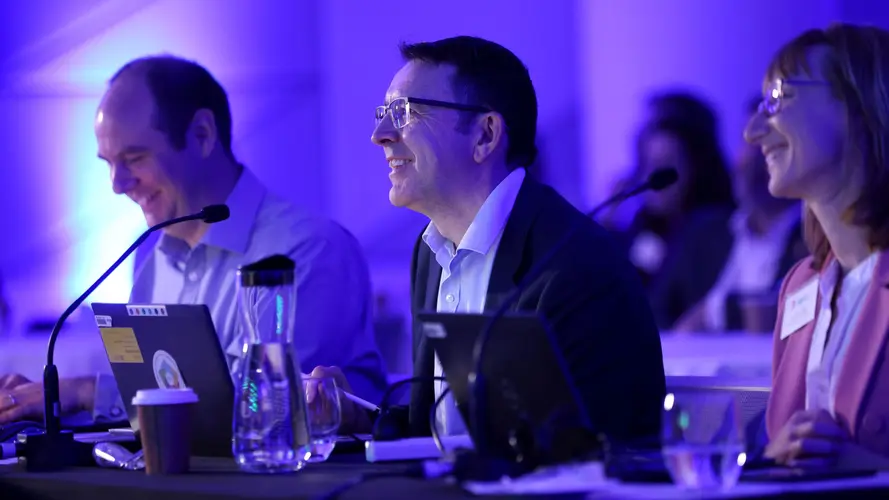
(215, 213)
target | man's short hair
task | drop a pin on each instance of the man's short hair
(180, 88)
(492, 76)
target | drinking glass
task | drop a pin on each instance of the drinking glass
(324, 415)
(703, 439)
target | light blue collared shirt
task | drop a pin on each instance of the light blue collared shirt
(465, 272)
(334, 312)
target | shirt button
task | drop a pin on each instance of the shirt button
(449, 297)
(193, 276)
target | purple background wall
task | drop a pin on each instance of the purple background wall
(304, 76)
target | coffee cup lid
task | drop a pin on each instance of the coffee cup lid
(155, 397)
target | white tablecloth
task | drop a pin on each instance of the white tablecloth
(729, 354)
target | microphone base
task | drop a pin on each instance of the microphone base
(47, 452)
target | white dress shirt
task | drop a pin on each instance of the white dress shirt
(826, 358)
(466, 271)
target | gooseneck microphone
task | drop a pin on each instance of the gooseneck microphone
(658, 180)
(52, 448)
(210, 214)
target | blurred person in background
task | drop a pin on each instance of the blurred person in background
(824, 129)
(687, 222)
(766, 242)
(672, 105)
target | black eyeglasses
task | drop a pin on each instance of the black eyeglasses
(774, 96)
(399, 109)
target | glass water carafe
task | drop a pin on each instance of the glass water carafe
(270, 428)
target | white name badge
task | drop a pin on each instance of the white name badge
(799, 308)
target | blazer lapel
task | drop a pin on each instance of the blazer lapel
(424, 360)
(510, 262)
(426, 281)
(433, 281)
(866, 346)
(789, 388)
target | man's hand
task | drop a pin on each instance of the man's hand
(354, 418)
(809, 439)
(11, 381)
(22, 399)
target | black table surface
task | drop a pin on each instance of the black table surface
(214, 478)
(220, 479)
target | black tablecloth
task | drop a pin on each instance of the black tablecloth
(220, 479)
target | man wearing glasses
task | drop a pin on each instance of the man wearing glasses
(458, 131)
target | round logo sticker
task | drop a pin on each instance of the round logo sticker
(166, 371)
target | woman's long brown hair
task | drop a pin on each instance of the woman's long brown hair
(857, 69)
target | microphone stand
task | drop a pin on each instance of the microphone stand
(618, 198)
(53, 449)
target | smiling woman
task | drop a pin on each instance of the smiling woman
(823, 127)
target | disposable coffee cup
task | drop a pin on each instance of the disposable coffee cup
(165, 417)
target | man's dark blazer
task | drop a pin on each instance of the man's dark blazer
(590, 295)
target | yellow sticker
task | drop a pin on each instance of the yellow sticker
(121, 345)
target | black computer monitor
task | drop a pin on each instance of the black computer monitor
(535, 414)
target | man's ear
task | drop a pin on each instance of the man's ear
(488, 133)
(202, 132)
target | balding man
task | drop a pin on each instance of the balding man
(164, 128)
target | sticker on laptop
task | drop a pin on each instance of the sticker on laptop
(121, 345)
(103, 321)
(166, 371)
(147, 310)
